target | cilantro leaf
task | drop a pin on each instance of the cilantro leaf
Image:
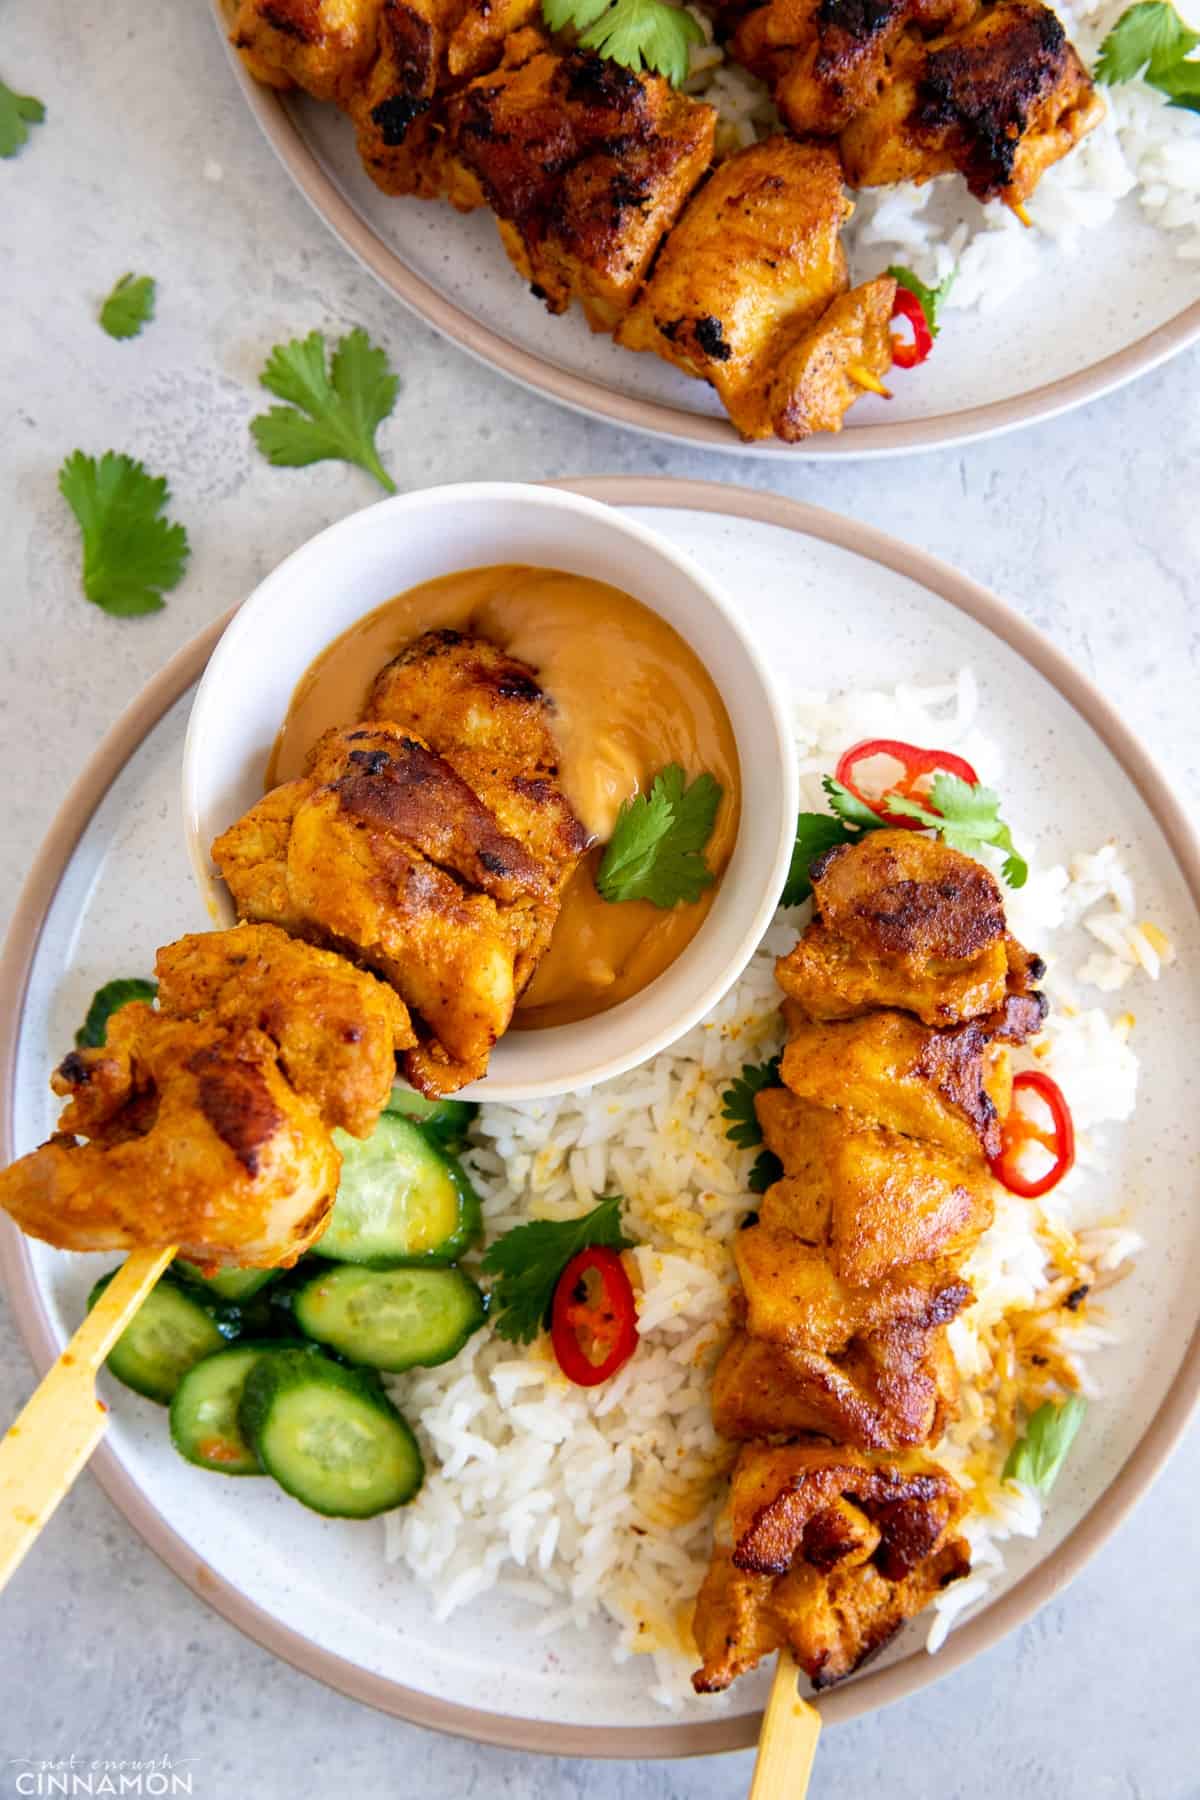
(105, 1002)
(656, 849)
(17, 113)
(815, 833)
(742, 1127)
(1038, 1457)
(131, 555)
(767, 1170)
(850, 808)
(129, 306)
(330, 416)
(529, 1259)
(966, 816)
(1149, 36)
(1181, 83)
(636, 33)
(931, 298)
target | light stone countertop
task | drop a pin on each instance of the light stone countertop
(1090, 525)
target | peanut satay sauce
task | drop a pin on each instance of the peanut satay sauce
(629, 697)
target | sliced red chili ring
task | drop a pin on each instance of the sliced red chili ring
(915, 763)
(908, 352)
(1019, 1130)
(593, 1319)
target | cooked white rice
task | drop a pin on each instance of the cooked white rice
(599, 1503)
(1143, 146)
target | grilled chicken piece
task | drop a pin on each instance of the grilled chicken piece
(999, 101)
(322, 46)
(889, 1390)
(830, 1552)
(586, 165)
(196, 1137)
(822, 375)
(903, 920)
(950, 1088)
(749, 270)
(336, 1029)
(873, 1201)
(825, 60)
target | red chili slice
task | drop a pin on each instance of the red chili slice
(908, 352)
(916, 764)
(593, 1321)
(1019, 1130)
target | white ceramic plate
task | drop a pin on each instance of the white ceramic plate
(1090, 322)
(826, 598)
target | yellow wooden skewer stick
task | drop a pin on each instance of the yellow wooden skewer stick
(787, 1742)
(56, 1431)
(1022, 213)
(862, 377)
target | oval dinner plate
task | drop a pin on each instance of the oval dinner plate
(831, 601)
(1113, 306)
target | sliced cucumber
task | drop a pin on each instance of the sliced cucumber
(171, 1331)
(204, 1412)
(401, 1199)
(391, 1318)
(445, 1120)
(226, 1284)
(329, 1435)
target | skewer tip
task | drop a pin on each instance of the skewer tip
(1021, 211)
(863, 377)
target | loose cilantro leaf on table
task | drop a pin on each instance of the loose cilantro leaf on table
(105, 1002)
(331, 415)
(1038, 1457)
(1151, 40)
(529, 1259)
(966, 817)
(656, 849)
(742, 1127)
(17, 113)
(131, 554)
(931, 298)
(129, 306)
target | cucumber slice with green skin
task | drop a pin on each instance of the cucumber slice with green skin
(171, 1331)
(401, 1200)
(391, 1318)
(227, 1284)
(329, 1435)
(204, 1412)
(445, 1120)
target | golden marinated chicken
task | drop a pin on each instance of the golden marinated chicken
(322, 46)
(999, 102)
(195, 1137)
(903, 920)
(586, 166)
(337, 1029)
(829, 1552)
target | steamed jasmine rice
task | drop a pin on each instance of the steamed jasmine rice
(598, 1504)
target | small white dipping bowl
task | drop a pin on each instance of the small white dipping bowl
(356, 565)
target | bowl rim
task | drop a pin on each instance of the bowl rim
(754, 906)
(877, 1687)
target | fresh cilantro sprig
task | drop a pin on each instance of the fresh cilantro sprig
(932, 299)
(105, 1002)
(741, 1121)
(1151, 40)
(656, 851)
(966, 817)
(765, 1171)
(129, 306)
(17, 113)
(818, 832)
(131, 554)
(529, 1259)
(1038, 1457)
(638, 34)
(331, 414)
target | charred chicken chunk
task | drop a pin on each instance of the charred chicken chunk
(748, 271)
(336, 1028)
(999, 102)
(903, 920)
(196, 1138)
(586, 165)
(322, 46)
(830, 1552)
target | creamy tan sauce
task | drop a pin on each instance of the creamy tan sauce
(629, 696)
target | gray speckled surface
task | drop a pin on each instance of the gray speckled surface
(148, 161)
